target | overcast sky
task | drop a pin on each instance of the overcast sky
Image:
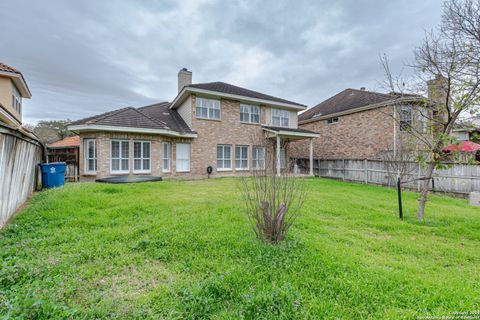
(85, 57)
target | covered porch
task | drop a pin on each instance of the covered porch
(280, 134)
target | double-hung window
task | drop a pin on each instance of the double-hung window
(183, 157)
(141, 156)
(224, 157)
(405, 118)
(16, 100)
(207, 108)
(119, 160)
(258, 158)
(249, 113)
(89, 156)
(166, 156)
(280, 118)
(241, 157)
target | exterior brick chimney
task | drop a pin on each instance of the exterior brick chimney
(184, 78)
(437, 90)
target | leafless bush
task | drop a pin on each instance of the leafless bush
(272, 201)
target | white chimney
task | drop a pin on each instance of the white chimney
(184, 78)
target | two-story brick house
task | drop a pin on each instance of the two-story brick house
(206, 125)
(360, 124)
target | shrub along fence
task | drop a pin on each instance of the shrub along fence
(456, 178)
(20, 154)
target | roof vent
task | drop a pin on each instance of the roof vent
(362, 89)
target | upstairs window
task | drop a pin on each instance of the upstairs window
(119, 156)
(280, 118)
(249, 113)
(332, 120)
(207, 108)
(16, 100)
(405, 118)
(90, 156)
(141, 156)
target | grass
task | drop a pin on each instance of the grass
(183, 249)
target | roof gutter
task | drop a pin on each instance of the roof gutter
(292, 133)
(87, 127)
(182, 95)
(359, 109)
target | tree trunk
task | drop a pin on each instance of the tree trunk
(424, 191)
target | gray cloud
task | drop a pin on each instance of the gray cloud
(87, 57)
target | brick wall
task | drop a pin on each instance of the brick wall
(358, 135)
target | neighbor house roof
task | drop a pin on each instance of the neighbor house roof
(153, 118)
(234, 92)
(17, 78)
(68, 142)
(349, 100)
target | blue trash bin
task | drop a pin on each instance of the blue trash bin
(53, 174)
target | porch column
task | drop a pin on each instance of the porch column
(311, 156)
(278, 155)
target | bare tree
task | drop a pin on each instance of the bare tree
(448, 60)
(272, 202)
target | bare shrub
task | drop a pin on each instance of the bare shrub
(272, 201)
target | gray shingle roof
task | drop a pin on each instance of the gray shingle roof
(278, 129)
(223, 87)
(156, 116)
(348, 99)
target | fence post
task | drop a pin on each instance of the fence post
(365, 164)
(343, 175)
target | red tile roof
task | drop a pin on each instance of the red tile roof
(68, 142)
(4, 67)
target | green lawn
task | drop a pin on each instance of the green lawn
(183, 249)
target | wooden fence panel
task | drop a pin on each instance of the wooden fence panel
(456, 178)
(18, 162)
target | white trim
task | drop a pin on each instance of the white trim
(291, 133)
(180, 97)
(272, 111)
(19, 82)
(169, 144)
(198, 99)
(120, 157)
(142, 158)
(189, 156)
(223, 145)
(85, 156)
(241, 159)
(95, 127)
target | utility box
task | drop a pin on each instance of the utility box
(475, 198)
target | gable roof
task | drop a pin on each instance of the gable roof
(234, 92)
(73, 141)
(157, 117)
(17, 78)
(346, 100)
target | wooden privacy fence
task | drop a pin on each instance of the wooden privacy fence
(456, 178)
(19, 157)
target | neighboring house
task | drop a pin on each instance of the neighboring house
(20, 150)
(206, 125)
(468, 129)
(66, 150)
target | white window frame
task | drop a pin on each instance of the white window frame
(280, 115)
(223, 158)
(405, 124)
(166, 156)
(86, 157)
(16, 100)
(241, 159)
(248, 110)
(256, 159)
(210, 105)
(183, 159)
(332, 120)
(142, 158)
(120, 158)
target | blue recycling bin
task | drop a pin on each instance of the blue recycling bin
(53, 174)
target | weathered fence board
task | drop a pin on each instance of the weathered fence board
(18, 161)
(456, 178)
